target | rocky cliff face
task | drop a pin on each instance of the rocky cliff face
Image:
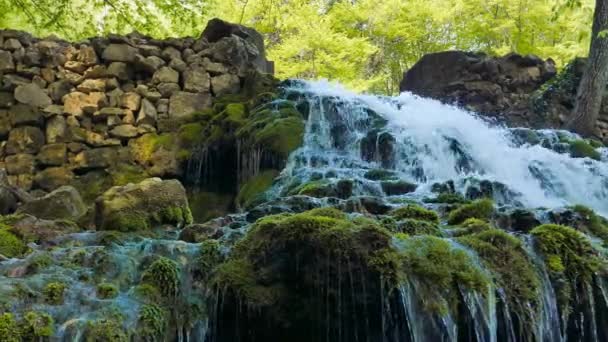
(113, 110)
(518, 90)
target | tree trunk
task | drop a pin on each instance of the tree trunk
(595, 77)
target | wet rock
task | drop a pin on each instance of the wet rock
(519, 220)
(63, 203)
(196, 233)
(366, 204)
(42, 231)
(143, 205)
(392, 188)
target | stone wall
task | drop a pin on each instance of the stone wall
(517, 90)
(76, 113)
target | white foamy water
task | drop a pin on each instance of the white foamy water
(427, 130)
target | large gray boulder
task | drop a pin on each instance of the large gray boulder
(32, 95)
(183, 103)
(143, 206)
(64, 203)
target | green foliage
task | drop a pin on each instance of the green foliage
(10, 245)
(593, 224)
(152, 322)
(54, 293)
(471, 226)
(128, 222)
(447, 198)
(36, 325)
(583, 149)
(480, 209)
(210, 256)
(9, 331)
(379, 175)
(413, 211)
(252, 190)
(123, 174)
(164, 274)
(107, 291)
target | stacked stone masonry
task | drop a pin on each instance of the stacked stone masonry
(68, 109)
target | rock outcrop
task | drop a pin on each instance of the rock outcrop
(517, 90)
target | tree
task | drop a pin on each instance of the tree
(592, 86)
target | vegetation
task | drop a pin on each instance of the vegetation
(480, 209)
(252, 190)
(107, 291)
(164, 274)
(413, 211)
(54, 293)
(10, 245)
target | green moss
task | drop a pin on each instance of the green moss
(582, 149)
(174, 215)
(281, 136)
(10, 245)
(152, 323)
(418, 227)
(123, 174)
(191, 134)
(144, 147)
(39, 262)
(570, 259)
(164, 274)
(447, 198)
(148, 293)
(592, 224)
(471, 226)
(505, 257)
(480, 209)
(54, 293)
(210, 257)
(322, 232)
(127, 222)
(568, 250)
(442, 269)
(319, 189)
(236, 113)
(250, 193)
(379, 175)
(9, 331)
(37, 325)
(105, 330)
(416, 212)
(107, 291)
(392, 188)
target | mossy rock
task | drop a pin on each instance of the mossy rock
(54, 293)
(107, 291)
(207, 205)
(441, 268)
(471, 226)
(416, 212)
(37, 326)
(123, 174)
(152, 322)
(447, 198)
(251, 192)
(418, 227)
(11, 246)
(583, 149)
(380, 175)
(591, 223)
(480, 209)
(392, 188)
(514, 272)
(164, 274)
(570, 259)
(104, 330)
(274, 270)
(9, 330)
(142, 206)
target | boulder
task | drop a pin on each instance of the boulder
(149, 64)
(120, 70)
(147, 114)
(8, 201)
(57, 90)
(119, 53)
(53, 155)
(124, 132)
(32, 95)
(56, 130)
(183, 103)
(41, 231)
(168, 89)
(131, 101)
(23, 115)
(78, 104)
(63, 203)
(100, 158)
(52, 178)
(196, 79)
(6, 61)
(20, 164)
(165, 75)
(225, 84)
(25, 139)
(142, 206)
(92, 85)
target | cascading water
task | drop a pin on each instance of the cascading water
(365, 155)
